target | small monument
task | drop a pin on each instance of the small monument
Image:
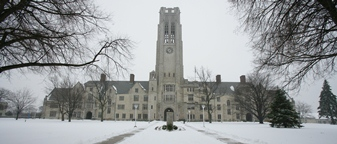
(169, 118)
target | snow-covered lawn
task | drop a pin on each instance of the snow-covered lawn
(42, 131)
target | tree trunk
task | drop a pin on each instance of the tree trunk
(69, 117)
(62, 116)
(209, 116)
(17, 115)
(102, 114)
(260, 119)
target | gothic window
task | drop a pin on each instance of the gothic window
(166, 33)
(120, 107)
(169, 98)
(218, 107)
(146, 98)
(121, 98)
(229, 111)
(144, 106)
(169, 88)
(190, 97)
(172, 32)
(136, 98)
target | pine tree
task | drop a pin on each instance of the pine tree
(282, 112)
(327, 103)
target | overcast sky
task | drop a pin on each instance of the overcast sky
(210, 34)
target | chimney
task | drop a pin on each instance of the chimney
(103, 77)
(218, 79)
(242, 79)
(132, 78)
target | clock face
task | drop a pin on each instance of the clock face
(169, 50)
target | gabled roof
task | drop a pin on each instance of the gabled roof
(122, 87)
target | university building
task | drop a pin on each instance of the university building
(165, 91)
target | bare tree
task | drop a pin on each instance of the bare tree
(208, 89)
(292, 39)
(3, 94)
(101, 95)
(255, 96)
(303, 109)
(68, 95)
(20, 100)
(42, 36)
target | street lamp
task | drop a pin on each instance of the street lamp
(203, 115)
(136, 106)
(189, 119)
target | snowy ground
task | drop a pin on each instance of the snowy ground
(38, 131)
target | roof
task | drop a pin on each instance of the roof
(122, 87)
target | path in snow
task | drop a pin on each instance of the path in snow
(190, 135)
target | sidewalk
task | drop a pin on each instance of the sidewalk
(190, 135)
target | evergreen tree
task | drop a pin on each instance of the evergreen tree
(327, 103)
(282, 112)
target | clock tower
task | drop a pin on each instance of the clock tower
(169, 62)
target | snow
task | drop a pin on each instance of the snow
(41, 131)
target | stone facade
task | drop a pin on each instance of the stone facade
(165, 91)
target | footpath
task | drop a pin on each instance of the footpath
(186, 135)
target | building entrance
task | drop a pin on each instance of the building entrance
(167, 110)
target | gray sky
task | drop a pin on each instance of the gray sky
(211, 38)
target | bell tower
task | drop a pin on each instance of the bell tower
(169, 62)
(169, 57)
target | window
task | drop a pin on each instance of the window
(203, 98)
(139, 116)
(123, 116)
(228, 102)
(145, 116)
(151, 106)
(52, 114)
(166, 35)
(136, 90)
(219, 116)
(237, 116)
(131, 116)
(169, 88)
(174, 75)
(201, 117)
(152, 88)
(172, 32)
(190, 97)
(109, 102)
(218, 107)
(109, 110)
(117, 115)
(169, 98)
(91, 89)
(136, 98)
(237, 107)
(121, 107)
(229, 111)
(121, 98)
(144, 106)
(146, 98)
(218, 99)
(155, 97)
